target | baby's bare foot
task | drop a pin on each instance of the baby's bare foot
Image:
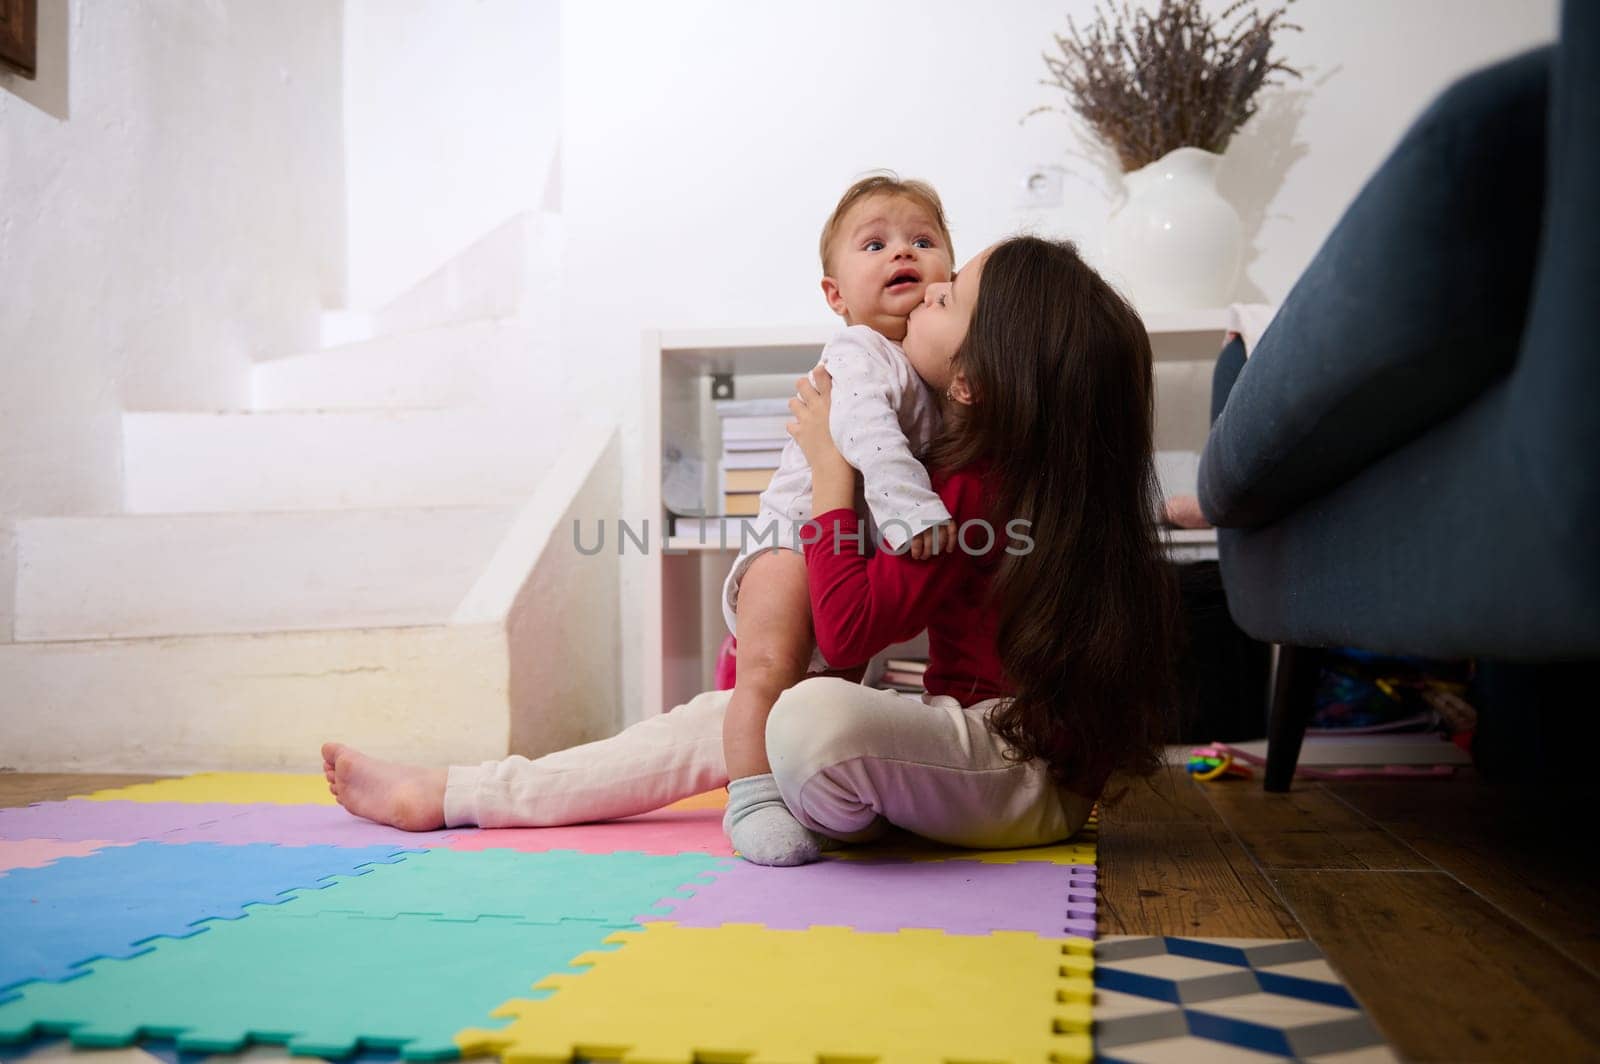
(409, 797)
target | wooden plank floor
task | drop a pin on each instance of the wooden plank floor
(1464, 918)
(25, 788)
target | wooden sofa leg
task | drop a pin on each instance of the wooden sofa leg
(1296, 682)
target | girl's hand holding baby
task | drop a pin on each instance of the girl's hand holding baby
(809, 428)
(832, 478)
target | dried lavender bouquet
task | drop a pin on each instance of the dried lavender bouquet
(1149, 83)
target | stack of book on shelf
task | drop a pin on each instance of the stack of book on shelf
(753, 437)
(903, 674)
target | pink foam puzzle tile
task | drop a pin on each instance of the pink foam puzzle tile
(37, 853)
(661, 833)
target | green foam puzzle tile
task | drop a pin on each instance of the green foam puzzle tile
(324, 985)
(549, 886)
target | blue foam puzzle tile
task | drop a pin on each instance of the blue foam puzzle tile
(58, 917)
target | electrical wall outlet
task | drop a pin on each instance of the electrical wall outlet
(1039, 187)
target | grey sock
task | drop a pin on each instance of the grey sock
(761, 827)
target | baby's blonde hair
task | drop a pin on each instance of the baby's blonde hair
(883, 183)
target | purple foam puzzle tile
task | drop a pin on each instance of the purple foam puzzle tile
(80, 820)
(959, 897)
(304, 825)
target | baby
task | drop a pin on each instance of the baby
(885, 242)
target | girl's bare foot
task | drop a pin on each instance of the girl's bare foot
(409, 797)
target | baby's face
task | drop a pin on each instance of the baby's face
(887, 251)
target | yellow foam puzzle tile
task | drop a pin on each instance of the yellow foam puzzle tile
(1079, 850)
(717, 799)
(1068, 855)
(749, 994)
(278, 788)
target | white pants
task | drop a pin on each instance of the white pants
(847, 759)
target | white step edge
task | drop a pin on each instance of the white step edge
(562, 608)
(544, 526)
(489, 362)
(300, 460)
(125, 576)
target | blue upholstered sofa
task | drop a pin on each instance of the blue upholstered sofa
(1409, 461)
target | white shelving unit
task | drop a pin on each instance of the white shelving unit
(682, 621)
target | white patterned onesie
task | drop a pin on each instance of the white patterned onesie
(883, 417)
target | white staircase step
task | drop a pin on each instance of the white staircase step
(128, 576)
(513, 270)
(526, 663)
(217, 462)
(253, 703)
(479, 362)
(337, 327)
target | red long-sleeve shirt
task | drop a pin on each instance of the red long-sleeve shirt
(860, 604)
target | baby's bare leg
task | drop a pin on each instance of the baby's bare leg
(774, 648)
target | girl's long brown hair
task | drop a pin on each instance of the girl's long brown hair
(1063, 409)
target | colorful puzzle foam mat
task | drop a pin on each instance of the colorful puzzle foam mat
(244, 914)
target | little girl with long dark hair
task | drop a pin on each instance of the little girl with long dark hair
(1050, 624)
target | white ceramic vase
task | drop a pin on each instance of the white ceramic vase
(1175, 243)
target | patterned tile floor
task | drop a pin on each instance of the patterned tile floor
(1222, 999)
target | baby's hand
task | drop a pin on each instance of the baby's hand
(931, 541)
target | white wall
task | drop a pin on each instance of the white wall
(1371, 67)
(451, 118)
(705, 142)
(170, 208)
